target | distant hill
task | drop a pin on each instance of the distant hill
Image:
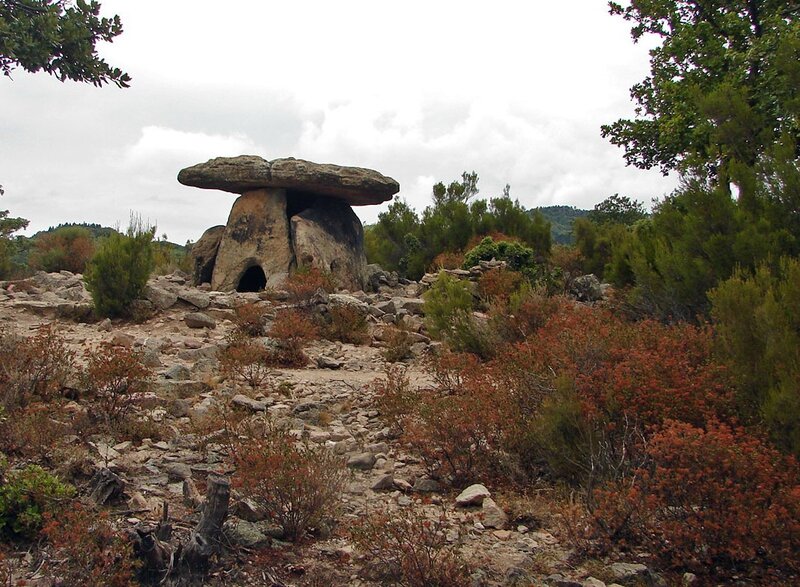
(561, 218)
(96, 229)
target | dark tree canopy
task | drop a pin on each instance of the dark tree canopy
(59, 37)
(722, 85)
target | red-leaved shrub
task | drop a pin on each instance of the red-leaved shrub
(291, 330)
(718, 497)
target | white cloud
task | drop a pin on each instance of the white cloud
(158, 144)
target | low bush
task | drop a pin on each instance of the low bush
(291, 330)
(89, 551)
(411, 549)
(33, 368)
(447, 301)
(395, 399)
(26, 496)
(447, 260)
(250, 319)
(67, 248)
(305, 281)
(245, 359)
(118, 272)
(298, 485)
(498, 285)
(112, 376)
(709, 499)
(398, 343)
(32, 431)
(515, 254)
(347, 323)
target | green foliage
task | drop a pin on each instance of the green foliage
(447, 303)
(757, 317)
(8, 226)
(119, 270)
(561, 219)
(25, 497)
(59, 37)
(618, 210)
(722, 83)
(517, 256)
(405, 242)
(697, 238)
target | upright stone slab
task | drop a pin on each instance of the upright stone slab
(329, 235)
(204, 254)
(257, 235)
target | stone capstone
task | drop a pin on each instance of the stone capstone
(354, 185)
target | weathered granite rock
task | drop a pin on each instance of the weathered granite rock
(355, 185)
(330, 236)
(256, 239)
(204, 254)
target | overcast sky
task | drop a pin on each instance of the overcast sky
(419, 91)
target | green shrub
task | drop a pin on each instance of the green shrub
(119, 270)
(516, 255)
(25, 496)
(757, 320)
(447, 301)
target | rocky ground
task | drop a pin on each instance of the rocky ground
(510, 538)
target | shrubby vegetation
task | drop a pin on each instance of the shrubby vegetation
(118, 272)
(405, 242)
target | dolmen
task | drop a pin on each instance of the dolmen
(289, 214)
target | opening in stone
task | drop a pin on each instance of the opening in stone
(252, 280)
(297, 202)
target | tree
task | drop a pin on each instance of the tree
(59, 37)
(722, 86)
(617, 209)
(8, 226)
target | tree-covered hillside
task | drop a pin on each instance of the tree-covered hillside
(561, 219)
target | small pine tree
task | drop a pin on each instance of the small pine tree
(119, 270)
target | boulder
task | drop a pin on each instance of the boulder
(204, 254)
(330, 236)
(354, 185)
(256, 249)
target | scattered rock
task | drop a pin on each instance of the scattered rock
(199, 320)
(493, 515)
(363, 461)
(472, 495)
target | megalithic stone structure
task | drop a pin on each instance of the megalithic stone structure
(290, 213)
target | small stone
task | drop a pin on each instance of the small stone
(363, 461)
(326, 362)
(517, 577)
(178, 472)
(626, 572)
(426, 485)
(502, 534)
(249, 403)
(689, 578)
(592, 582)
(403, 485)
(122, 339)
(199, 320)
(385, 482)
(178, 372)
(472, 495)
(492, 515)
